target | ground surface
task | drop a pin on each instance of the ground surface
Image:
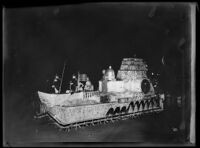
(20, 128)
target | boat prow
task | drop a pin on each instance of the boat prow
(52, 99)
(58, 99)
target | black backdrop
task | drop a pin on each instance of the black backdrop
(90, 37)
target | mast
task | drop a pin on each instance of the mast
(62, 78)
(78, 81)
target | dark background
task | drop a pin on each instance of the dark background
(89, 37)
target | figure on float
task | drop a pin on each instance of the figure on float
(82, 83)
(56, 83)
(88, 85)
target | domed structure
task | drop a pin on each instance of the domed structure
(110, 74)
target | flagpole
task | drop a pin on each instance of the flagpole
(62, 78)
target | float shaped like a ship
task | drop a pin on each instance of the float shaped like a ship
(128, 94)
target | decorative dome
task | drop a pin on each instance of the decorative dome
(88, 82)
(110, 74)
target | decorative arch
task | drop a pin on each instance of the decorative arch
(147, 102)
(142, 104)
(117, 110)
(152, 102)
(123, 110)
(137, 104)
(131, 105)
(110, 112)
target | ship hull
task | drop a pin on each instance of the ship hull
(69, 115)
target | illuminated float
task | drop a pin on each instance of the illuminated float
(125, 95)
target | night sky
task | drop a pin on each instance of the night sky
(90, 37)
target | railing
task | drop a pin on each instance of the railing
(90, 94)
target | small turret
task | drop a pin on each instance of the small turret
(109, 74)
